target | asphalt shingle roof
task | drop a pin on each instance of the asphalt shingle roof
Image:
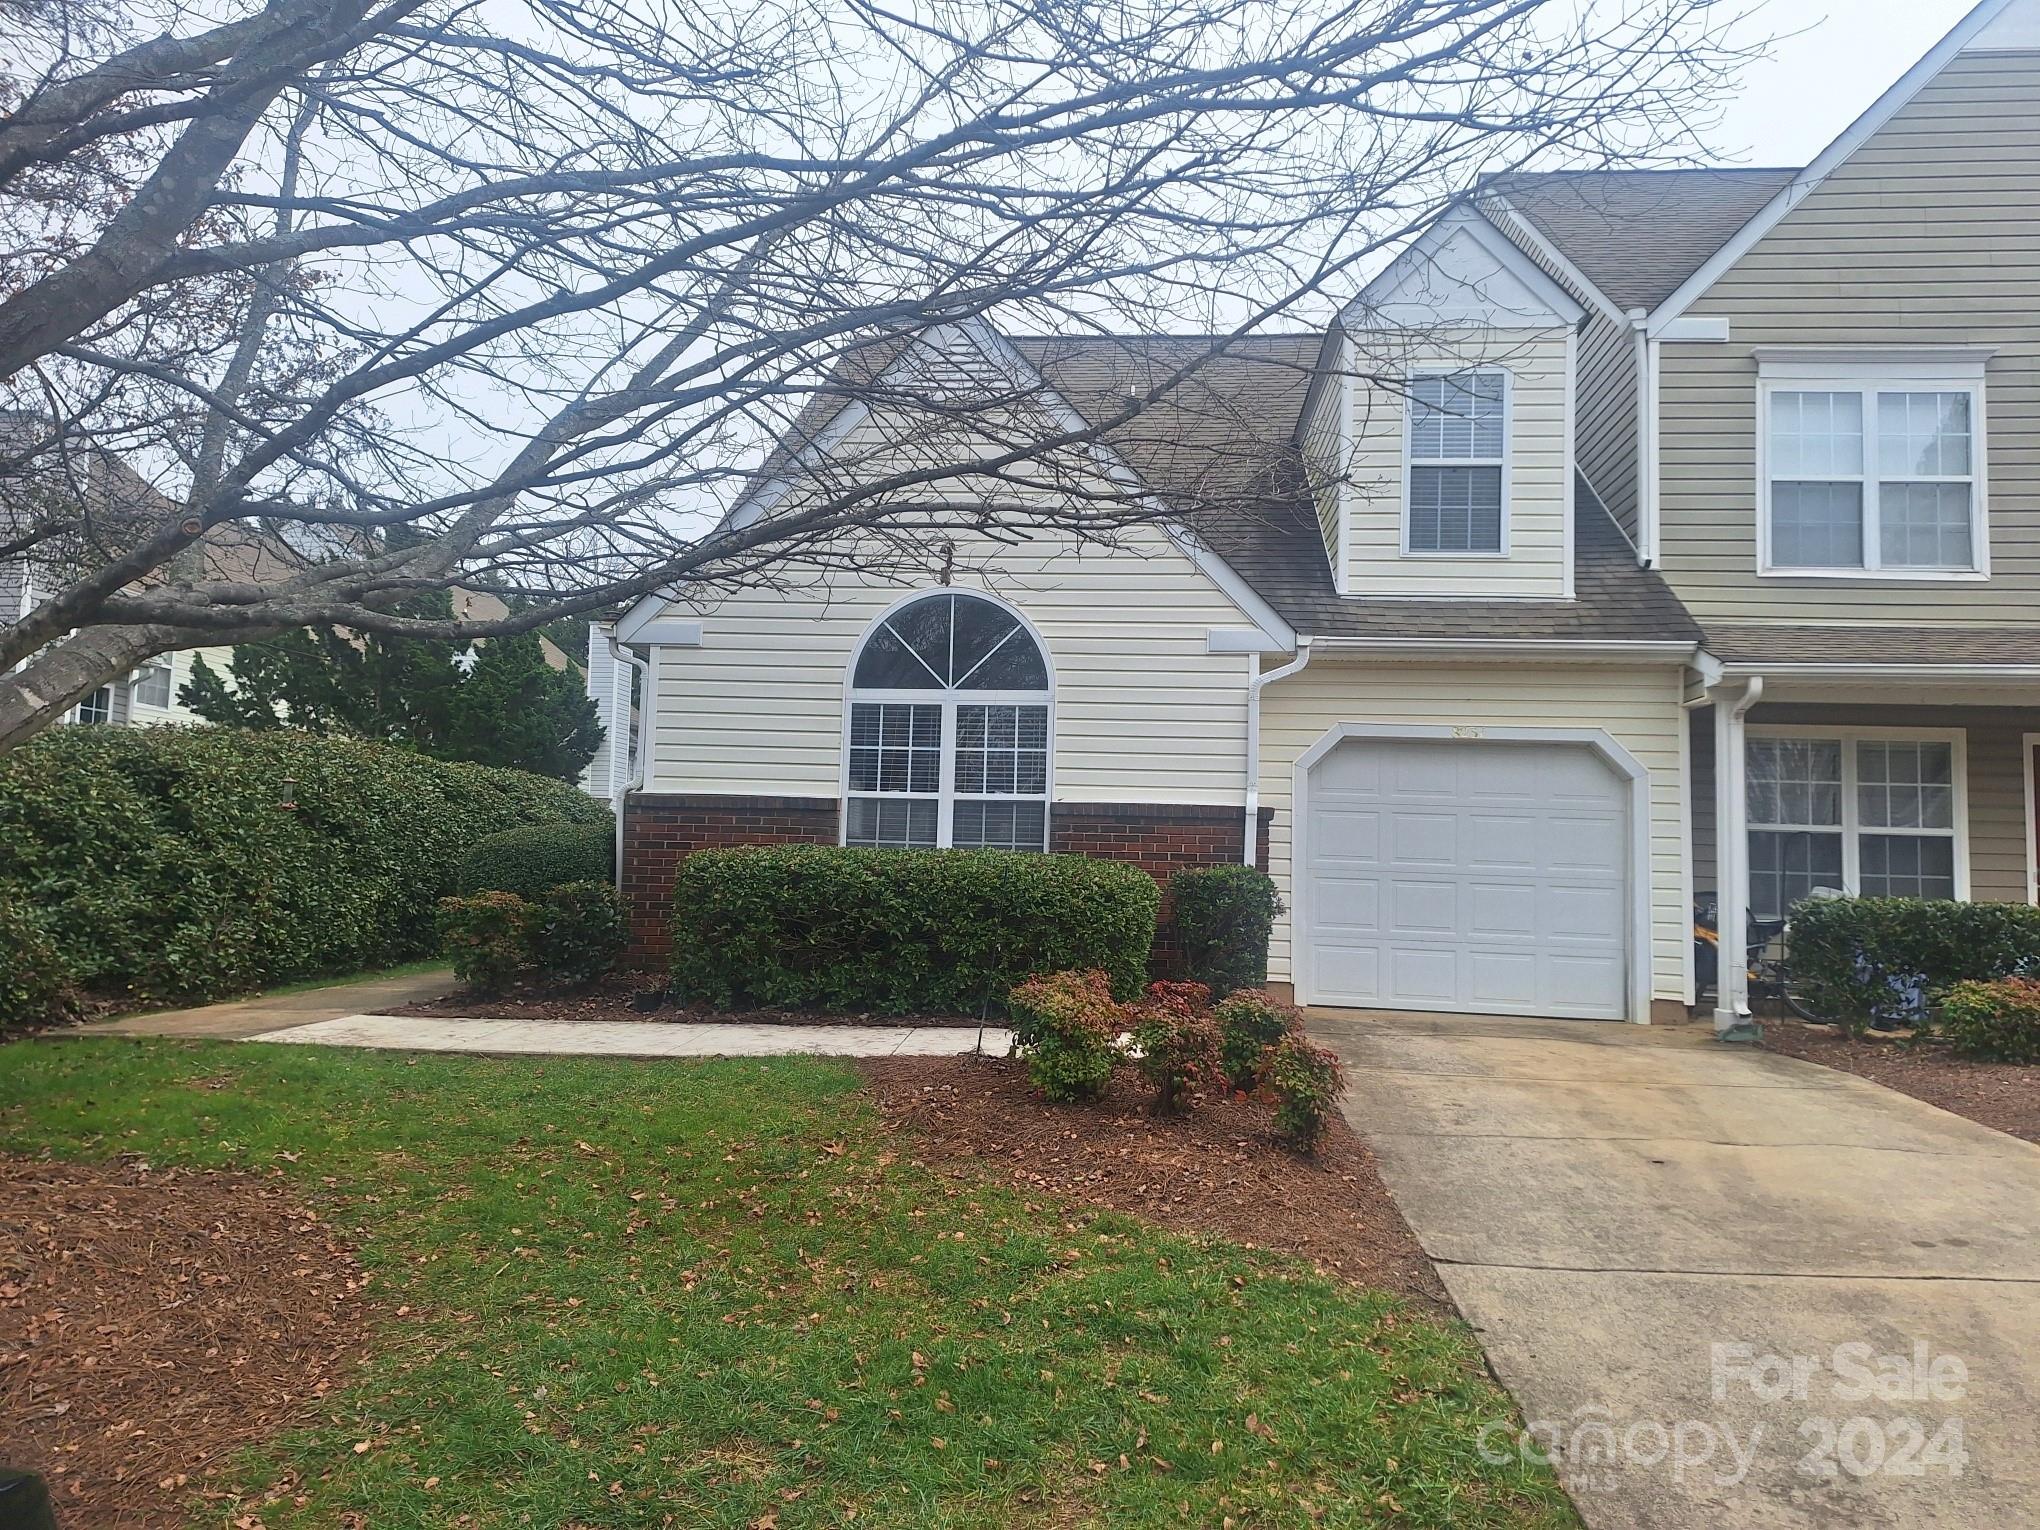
(1220, 450)
(1762, 643)
(1638, 234)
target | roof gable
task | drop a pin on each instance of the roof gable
(1462, 272)
(1993, 24)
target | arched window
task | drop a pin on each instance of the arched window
(949, 730)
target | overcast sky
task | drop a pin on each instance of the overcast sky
(1842, 56)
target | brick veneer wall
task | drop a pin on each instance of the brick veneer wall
(661, 830)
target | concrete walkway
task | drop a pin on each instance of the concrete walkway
(627, 1038)
(242, 1018)
(1679, 1239)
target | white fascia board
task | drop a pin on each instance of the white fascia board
(1887, 673)
(1558, 307)
(1506, 651)
(1831, 158)
(665, 632)
(1703, 329)
(1523, 232)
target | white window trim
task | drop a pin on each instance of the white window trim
(946, 797)
(165, 662)
(1851, 828)
(1869, 380)
(1507, 464)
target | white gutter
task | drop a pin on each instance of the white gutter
(1889, 672)
(1503, 650)
(1255, 685)
(638, 756)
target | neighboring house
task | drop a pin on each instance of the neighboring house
(1688, 541)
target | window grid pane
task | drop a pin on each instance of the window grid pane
(1923, 435)
(1016, 825)
(895, 747)
(1795, 782)
(898, 823)
(1816, 435)
(1924, 525)
(1455, 509)
(1457, 418)
(1904, 821)
(1907, 866)
(1817, 525)
(1785, 868)
(152, 684)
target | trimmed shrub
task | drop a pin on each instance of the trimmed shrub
(1067, 1024)
(1249, 1023)
(35, 984)
(1868, 961)
(190, 863)
(532, 859)
(575, 933)
(1178, 1042)
(484, 936)
(1305, 1080)
(895, 931)
(1994, 1022)
(1224, 916)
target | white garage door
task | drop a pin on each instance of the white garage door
(1487, 877)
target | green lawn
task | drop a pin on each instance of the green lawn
(714, 1294)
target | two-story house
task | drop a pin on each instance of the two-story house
(1634, 536)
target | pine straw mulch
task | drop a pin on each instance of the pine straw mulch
(612, 998)
(1218, 1170)
(2004, 1096)
(152, 1324)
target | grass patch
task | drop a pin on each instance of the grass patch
(714, 1294)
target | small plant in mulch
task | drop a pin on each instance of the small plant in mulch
(1066, 1024)
(1993, 1022)
(1252, 1022)
(1305, 1080)
(1179, 1041)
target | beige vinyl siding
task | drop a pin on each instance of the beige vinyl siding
(1928, 235)
(1142, 712)
(1540, 468)
(1636, 706)
(1324, 453)
(1998, 830)
(1606, 405)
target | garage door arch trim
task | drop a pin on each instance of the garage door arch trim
(1619, 759)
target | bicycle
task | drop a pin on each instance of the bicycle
(1766, 961)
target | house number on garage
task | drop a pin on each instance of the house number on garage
(1466, 733)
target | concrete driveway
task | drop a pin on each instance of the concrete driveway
(1732, 1289)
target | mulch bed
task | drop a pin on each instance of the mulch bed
(153, 1324)
(1217, 1171)
(2005, 1096)
(611, 1000)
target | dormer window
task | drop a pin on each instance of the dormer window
(1872, 472)
(1455, 495)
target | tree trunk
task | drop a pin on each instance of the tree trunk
(38, 694)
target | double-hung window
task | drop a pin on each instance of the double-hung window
(1879, 816)
(151, 684)
(1874, 478)
(1456, 494)
(948, 730)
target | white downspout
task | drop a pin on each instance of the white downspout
(1256, 683)
(1732, 860)
(1646, 440)
(636, 754)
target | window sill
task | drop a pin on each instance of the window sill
(1880, 575)
(1501, 556)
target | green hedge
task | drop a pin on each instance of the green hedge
(164, 863)
(1872, 959)
(35, 980)
(535, 858)
(1224, 916)
(894, 931)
